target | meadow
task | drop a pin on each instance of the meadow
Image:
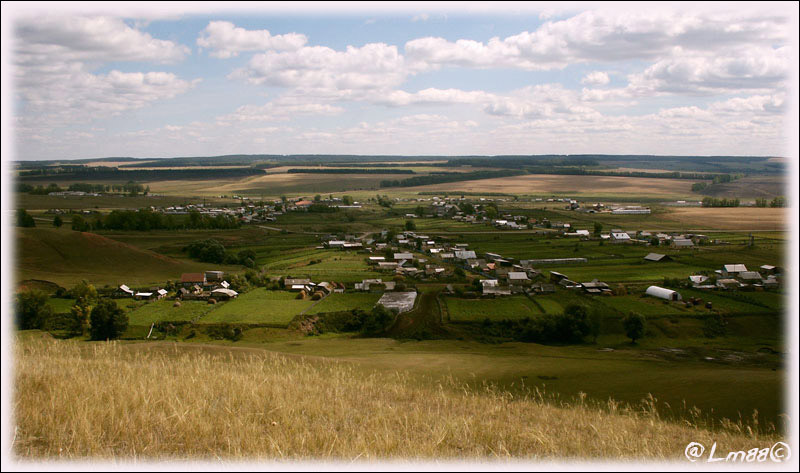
(345, 302)
(164, 311)
(259, 306)
(298, 408)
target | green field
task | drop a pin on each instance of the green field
(259, 306)
(59, 305)
(163, 311)
(476, 310)
(322, 265)
(345, 302)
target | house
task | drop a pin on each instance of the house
(496, 291)
(387, 265)
(731, 270)
(556, 277)
(326, 287)
(657, 257)
(698, 279)
(123, 291)
(335, 243)
(769, 269)
(403, 256)
(376, 259)
(465, 254)
(595, 287)
(750, 277)
(682, 243)
(518, 278)
(620, 237)
(161, 293)
(191, 279)
(214, 276)
(663, 293)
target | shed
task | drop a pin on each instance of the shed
(657, 257)
(663, 293)
(222, 294)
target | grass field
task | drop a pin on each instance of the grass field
(321, 265)
(163, 311)
(476, 310)
(312, 409)
(66, 257)
(345, 302)
(60, 306)
(259, 306)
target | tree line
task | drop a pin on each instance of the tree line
(449, 177)
(348, 171)
(146, 220)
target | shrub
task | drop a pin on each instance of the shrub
(108, 321)
(634, 326)
(32, 309)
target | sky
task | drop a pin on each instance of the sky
(163, 80)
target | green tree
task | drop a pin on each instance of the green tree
(24, 219)
(32, 309)
(598, 228)
(78, 322)
(108, 321)
(317, 198)
(633, 323)
(419, 211)
(779, 201)
(410, 225)
(57, 222)
(84, 290)
(347, 200)
(79, 224)
(596, 320)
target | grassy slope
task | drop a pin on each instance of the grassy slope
(215, 402)
(65, 257)
(259, 306)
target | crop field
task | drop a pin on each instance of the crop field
(574, 186)
(322, 265)
(164, 311)
(733, 218)
(345, 302)
(476, 310)
(259, 306)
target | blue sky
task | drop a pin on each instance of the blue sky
(589, 78)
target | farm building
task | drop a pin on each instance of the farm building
(730, 270)
(631, 210)
(663, 293)
(289, 282)
(595, 287)
(402, 301)
(161, 293)
(750, 276)
(123, 291)
(728, 283)
(143, 296)
(403, 256)
(555, 276)
(698, 279)
(515, 277)
(465, 254)
(620, 237)
(682, 243)
(224, 294)
(214, 275)
(657, 257)
(191, 279)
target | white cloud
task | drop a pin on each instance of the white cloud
(53, 57)
(226, 40)
(743, 69)
(597, 36)
(372, 66)
(42, 40)
(596, 78)
(420, 17)
(278, 110)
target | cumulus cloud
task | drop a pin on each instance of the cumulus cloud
(54, 56)
(596, 36)
(372, 66)
(596, 78)
(226, 40)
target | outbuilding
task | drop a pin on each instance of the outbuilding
(663, 293)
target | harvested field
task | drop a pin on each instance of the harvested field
(729, 218)
(545, 184)
(749, 188)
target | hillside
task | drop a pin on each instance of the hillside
(238, 403)
(65, 257)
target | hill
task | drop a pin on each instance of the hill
(65, 257)
(217, 402)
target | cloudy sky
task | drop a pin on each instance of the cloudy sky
(407, 79)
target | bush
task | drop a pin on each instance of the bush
(108, 321)
(24, 219)
(32, 310)
(634, 326)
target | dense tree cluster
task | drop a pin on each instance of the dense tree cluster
(348, 171)
(107, 320)
(24, 219)
(439, 178)
(720, 202)
(212, 251)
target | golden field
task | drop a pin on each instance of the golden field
(115, 401)
(729, 218)
(573, 186)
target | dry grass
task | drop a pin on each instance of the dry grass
(145, 401)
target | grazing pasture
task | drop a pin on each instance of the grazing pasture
(164, 311)
(345, 302)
